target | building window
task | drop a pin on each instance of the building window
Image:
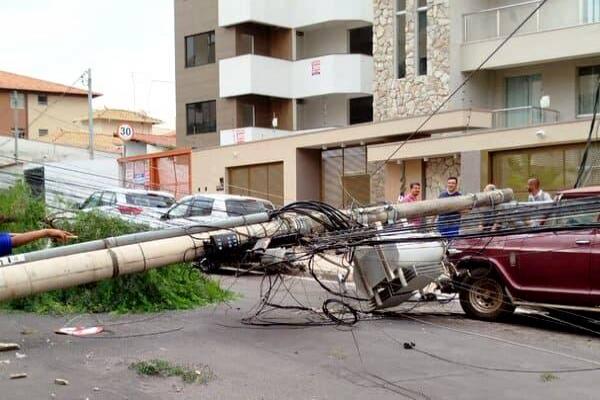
(422, 37)
(401, 38)
(202, 117)
(21, 132)
(590, 11)
(246, 44)
(42, 100)
(361, 41)
(17, 100)
(200, 49)
(361, 110)
(587, 81)
(523, 94)
(42, 132)
(248, 115)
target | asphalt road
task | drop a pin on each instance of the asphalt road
(453, 358)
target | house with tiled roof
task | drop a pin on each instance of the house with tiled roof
(108, 120)
(39, 107)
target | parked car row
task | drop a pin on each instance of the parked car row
(161, 210)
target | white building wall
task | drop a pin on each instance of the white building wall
(253, 74)
(320, 42)
(293, 13)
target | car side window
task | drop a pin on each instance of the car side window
(108, 198)
(201, 207)
(236, 208)
(180, 210)
(93, 201)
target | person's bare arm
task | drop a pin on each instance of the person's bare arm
(20, 239)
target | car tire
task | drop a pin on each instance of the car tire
(483, 296)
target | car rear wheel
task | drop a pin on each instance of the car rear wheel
(482, 296)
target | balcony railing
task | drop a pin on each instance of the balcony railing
(501, 21)
(523, 116)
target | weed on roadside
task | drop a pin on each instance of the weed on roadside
(547, 377)
(164, 369)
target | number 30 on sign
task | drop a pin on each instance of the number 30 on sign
(125, 132)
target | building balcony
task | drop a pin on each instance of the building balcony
(523, 116)
(570, 26)
(293, 13)
(266, 76)
(253, 133)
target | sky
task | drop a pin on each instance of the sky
(128, 44)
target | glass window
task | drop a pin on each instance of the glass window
(422, 37)
(401, 38)
(93, 201)
(200, 49)
(202, 117)
(246, 44)
(522, 94)
(108, 198)
(361, 41)
(591, 11)
(149, 200)
(42, 132)
(248, 115)
(17, 100)
(587, 82)
(201, 207)
(180, 210)
(243, 207)
(361, 110)
(42, 100)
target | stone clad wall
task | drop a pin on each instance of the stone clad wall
(437, 172)
(412, 95)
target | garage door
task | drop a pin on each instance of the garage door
(263, 180)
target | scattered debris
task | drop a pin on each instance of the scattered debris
(59, 381)
(27, 331)
(409, 345)
(20, 355)
(163, 368)
(4, 362)
(548, 377)
(96, 389)
(80, 330)
(9, 346)
(20, 375)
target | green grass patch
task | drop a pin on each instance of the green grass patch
(165, 369)
(175, 287)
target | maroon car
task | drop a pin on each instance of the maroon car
(559, 269)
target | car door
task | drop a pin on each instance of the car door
(554, 267)
(595, 270)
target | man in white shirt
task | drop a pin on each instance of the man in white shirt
(535, 193)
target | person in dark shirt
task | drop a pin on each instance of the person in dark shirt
(8, 241)
(449, 224)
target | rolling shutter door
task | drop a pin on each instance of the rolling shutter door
(264, 181)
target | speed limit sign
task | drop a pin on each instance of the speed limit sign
(125, 132)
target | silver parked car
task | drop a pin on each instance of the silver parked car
(132, 205)
(202, 209)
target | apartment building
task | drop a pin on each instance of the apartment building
(526, 112)
(262, 69)
(40, 107)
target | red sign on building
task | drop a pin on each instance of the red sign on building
(316, 67)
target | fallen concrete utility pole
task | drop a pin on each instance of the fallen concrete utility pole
(132, 238)
(40, 276)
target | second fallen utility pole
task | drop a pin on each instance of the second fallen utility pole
(90, 112)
